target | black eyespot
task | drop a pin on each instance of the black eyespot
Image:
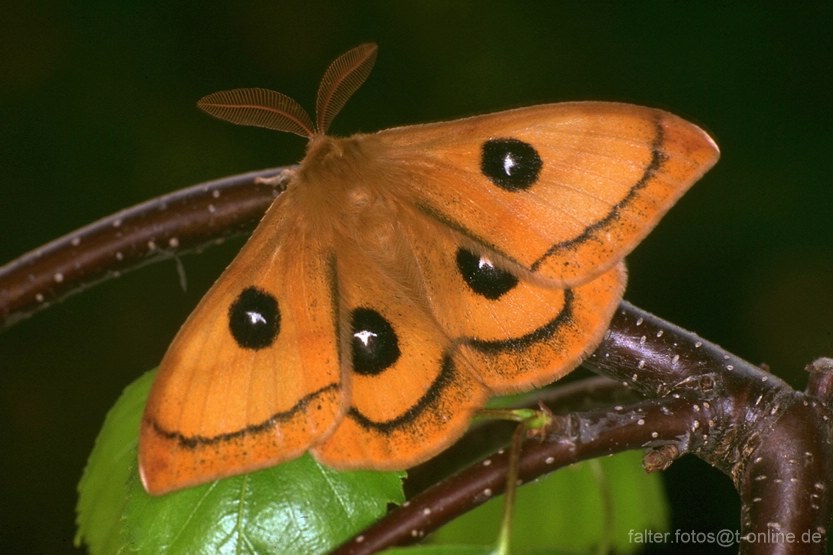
(482, 276)
(510, 164)
(375, 346)
(254, 319)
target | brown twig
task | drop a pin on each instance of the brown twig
(574, 437)
(774, 442)
(183, 221)
(489, 436)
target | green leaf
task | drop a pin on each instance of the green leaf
(578, 509)
(441, 550)
(102, 491)
(296, 507)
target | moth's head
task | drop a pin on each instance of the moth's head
(276, 111)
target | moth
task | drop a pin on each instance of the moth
(403, 277)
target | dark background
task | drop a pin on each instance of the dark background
(97, 113)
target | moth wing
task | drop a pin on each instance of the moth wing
(232, 394)
(515, 332)
(442, 346)
(561, 190)
(409, 398)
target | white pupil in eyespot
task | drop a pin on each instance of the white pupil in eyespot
(255, 317)
(364, 336)
(484, 263)
(508, 164)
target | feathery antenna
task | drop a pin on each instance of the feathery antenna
(273, 110)
(343, 78)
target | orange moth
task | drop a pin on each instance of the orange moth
(404, 277)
